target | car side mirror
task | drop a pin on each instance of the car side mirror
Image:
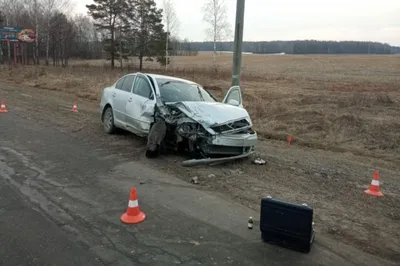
(233, 102)
(151, 96)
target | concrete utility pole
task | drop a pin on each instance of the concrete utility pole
(238, 43)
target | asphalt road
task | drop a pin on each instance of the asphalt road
(27, 237)
(60, 192)
(61, 198)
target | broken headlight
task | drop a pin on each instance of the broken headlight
(191, 131)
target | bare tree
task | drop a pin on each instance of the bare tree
(218, 26)
(85, 36)
(62, 36)
(14, 12)
(49, 7)
(7, 9)
(35, 10)
(171, 22)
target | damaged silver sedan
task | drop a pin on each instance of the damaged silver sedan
(178, 114)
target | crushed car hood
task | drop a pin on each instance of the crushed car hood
(209, 113)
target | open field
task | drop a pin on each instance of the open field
(348, 103)
(342, 111)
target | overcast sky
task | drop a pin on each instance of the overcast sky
(368, 20)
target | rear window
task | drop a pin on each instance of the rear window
(119, 83)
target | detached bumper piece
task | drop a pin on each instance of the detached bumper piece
(214, 161)
(287, 225)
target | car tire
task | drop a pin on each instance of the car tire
(108, 121)
(155, 139)
(151, 154)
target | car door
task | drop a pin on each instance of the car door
(140, 106)
(234, 97)
(121, 98)
(115, 93)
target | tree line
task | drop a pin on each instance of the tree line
(113, 29)
(303, 47)
(122, 29)
(55, 31)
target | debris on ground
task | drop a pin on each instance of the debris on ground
(258, 161)
(250, 223)
(194, 180)
(196, 243)
(236, 172)
(214, 161)
(211, 176)
(324, 173)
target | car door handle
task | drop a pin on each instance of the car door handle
(130, 99)
(114, 94)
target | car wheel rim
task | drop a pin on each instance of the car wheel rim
(108, 120)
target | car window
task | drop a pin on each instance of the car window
(119, 83)
(176, 91)
(142, 87)
(127, 86)
(234, 95)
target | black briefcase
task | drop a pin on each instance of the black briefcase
(286, 224)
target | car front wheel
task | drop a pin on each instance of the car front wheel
(108, 121)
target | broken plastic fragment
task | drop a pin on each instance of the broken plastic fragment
(194, 180)
(258, 161)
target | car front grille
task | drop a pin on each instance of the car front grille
(231, 126)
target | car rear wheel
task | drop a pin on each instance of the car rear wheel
(108, 121)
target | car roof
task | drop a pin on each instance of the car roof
(157, 76)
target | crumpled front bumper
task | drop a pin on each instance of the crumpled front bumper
(234, 146)
(235, 140)
(230, 144)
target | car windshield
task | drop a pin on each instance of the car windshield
(180, 91)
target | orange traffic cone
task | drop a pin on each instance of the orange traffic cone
(374, 187)
(133, 215)
(75, 108)
(3, 108)
(289, 140)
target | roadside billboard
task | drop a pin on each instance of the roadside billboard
(15, 34)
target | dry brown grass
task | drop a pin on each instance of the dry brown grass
(336, 102)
